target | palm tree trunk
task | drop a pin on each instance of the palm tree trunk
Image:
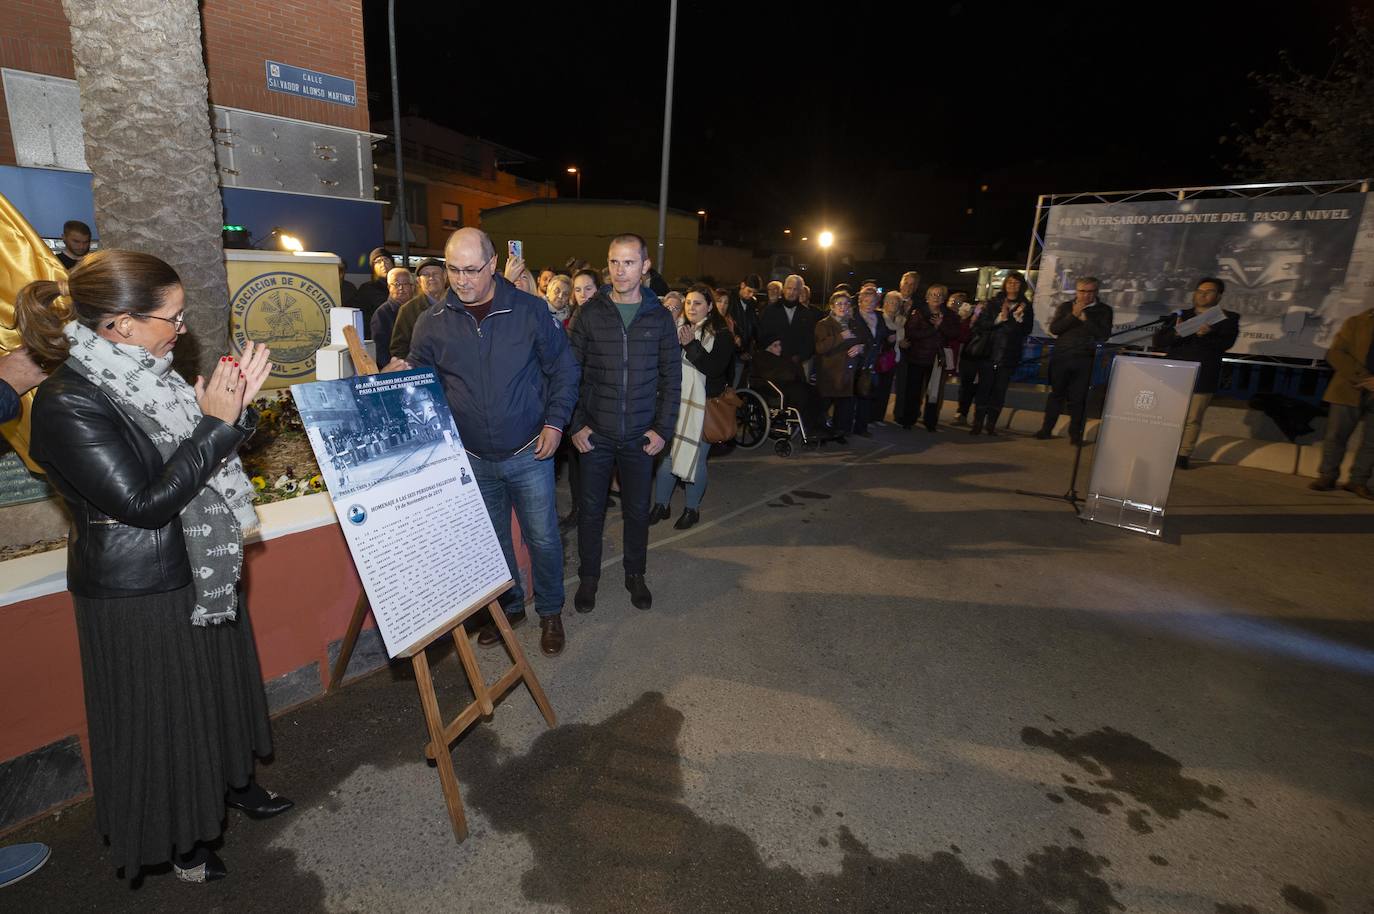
(146, 115)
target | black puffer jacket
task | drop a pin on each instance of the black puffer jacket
(631, 379)
(125, 501)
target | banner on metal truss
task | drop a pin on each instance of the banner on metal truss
(1295, 267)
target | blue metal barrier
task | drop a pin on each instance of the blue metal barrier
(1241, 379)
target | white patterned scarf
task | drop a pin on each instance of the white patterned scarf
(691, 416)
(164, 407)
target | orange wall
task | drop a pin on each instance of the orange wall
(40, 675)
(301, 590)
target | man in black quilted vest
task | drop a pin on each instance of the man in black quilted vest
(626, 344)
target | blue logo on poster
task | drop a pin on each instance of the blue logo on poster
(357, 514)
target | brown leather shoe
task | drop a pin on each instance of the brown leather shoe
(1322, 484)
(551, 638)
(489, 634)
(1362, 491)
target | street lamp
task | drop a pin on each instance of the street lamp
(825, 240)
(702, 214)
(574, 170)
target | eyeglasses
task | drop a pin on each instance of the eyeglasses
(471, 272)
(178, 322)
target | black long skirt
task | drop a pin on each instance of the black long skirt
(176, 712)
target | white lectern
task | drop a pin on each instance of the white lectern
(1137, 444)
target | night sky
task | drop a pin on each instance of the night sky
(859, 117)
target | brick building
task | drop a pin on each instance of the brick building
(450, 179)
(288, 93)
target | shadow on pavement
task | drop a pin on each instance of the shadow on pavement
(601, 805)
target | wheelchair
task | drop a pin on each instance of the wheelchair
(765, 415)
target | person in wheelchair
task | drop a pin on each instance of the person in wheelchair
(788, 375)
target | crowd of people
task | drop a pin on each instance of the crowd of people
(611, 369)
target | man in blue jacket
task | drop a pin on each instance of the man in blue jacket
(626, 345)
(511, 381)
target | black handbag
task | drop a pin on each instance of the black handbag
(980, 347)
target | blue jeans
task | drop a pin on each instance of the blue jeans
(527, 485)
(636, 470)
(665, 480)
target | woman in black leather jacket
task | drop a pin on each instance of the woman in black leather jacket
(158, 501)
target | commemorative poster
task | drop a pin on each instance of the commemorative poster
(1294, 266)
(404, 492)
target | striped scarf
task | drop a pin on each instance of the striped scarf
(164, 407)
(691, 417)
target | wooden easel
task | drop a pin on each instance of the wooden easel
(442, 735)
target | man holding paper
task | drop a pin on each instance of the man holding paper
(1203, 334)
(511, 382)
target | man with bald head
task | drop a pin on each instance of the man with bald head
(511, 382)
(791, 322)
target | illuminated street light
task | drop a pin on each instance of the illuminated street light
(787, 231)
(704, 218)
(574, 170)
(825, 240)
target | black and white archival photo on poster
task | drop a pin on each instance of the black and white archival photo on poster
(404, 492)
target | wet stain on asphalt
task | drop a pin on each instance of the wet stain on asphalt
(602, 808)
(1303, 901)
(1124, 764)
(806, 493)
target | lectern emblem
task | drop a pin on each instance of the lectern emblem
(1145, 401)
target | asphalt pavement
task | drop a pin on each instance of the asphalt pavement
(874, 678)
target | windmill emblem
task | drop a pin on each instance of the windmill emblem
(282, 316)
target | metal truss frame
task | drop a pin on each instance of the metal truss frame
(1243, 191)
